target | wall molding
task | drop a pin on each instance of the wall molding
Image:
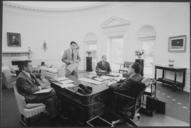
(114, 22)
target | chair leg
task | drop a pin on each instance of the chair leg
(25, 121)
(129, 121)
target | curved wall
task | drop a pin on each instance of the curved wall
(59, 28)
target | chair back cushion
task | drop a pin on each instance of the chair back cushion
(135, 89)
(20, 100)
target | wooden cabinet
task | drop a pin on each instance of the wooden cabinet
(88, 64)
(174, 82)
(141, 62)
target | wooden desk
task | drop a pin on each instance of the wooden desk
(168, 81)
(79, 107)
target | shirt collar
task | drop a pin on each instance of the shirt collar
(28, 74)
(133, 74)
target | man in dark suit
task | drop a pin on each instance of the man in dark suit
(133, 75)
(27, 84)
(130, 86)
(103, 67)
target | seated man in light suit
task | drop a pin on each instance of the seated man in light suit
(71, 56)
(27, 84)
(103, 67)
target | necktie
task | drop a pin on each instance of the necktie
(32, 78)
(72, 55)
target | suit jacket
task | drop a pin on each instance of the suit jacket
(67, 56)
(131, 86)
(105, 67)
(26, 86)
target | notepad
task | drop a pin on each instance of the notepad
(90, 81)
(43, 91)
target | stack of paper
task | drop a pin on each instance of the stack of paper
(88, 80)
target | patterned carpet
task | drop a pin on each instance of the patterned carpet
(177, 106)
(177, 102)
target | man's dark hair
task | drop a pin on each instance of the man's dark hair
(137, 67)
(24, 64)
(73, 42)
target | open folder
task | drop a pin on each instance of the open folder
(43, 91)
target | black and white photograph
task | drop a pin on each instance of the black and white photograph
(177, 43)
(95, 64)
(13, 39)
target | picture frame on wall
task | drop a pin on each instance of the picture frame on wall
(13, 39)
(177, 44)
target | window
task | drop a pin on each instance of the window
(115, 52)
(148, 46)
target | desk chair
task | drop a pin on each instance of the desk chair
(29, 110)
(129, 105)
(8, 78)
(124, 67)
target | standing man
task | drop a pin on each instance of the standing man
(71, 58)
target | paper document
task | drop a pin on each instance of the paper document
(66, 81)
(106, 77)
(61, 78)
(99, 79)
(72, 67)
(90, 81)
(43, 91)
(114, 74)
(67, 85)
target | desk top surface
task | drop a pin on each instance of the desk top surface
(95, 88)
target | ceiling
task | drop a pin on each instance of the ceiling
(58, 5)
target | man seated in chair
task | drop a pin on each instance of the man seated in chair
(103, 67)
(128, 86)
(27, 84)
(133, 75)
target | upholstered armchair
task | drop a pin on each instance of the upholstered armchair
(27, 111)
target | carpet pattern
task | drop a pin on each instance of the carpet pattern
(177, 106)
(177, 102)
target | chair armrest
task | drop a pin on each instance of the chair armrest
(123, 95)
(33, 105)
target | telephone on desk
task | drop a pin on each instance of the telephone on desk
(120, 81)
(85, 90)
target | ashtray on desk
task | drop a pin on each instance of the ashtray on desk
(98, 122)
